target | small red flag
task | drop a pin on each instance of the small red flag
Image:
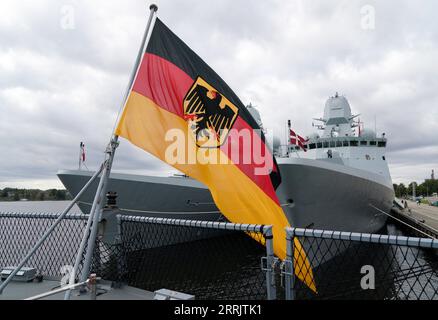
(298, 140)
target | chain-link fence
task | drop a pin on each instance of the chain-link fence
(363, 266)
(20, 231)
(213, 260)
(210, 260)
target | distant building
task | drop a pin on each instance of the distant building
(432, 176)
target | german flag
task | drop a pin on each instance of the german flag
(175, 91)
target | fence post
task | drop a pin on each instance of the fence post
(270, 260)
(289, 277)
(121, 254)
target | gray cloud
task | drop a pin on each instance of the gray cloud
(59, 87)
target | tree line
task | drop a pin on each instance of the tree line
(427, 188)
(15, 194)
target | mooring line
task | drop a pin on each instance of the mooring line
(407, 224)
(162, 212)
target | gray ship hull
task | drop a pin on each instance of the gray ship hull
(165, 197)
(325, 195)
(330, 196)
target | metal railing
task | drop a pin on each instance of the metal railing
(220, 260)
(197, 257)
(49, 230)
(19, 232)
(200, 257)
(348, 265)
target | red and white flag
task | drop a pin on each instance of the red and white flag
(297, 140)
(82, 156)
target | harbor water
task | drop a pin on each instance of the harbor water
(36, 206)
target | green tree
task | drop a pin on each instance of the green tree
(52, 194)
(431, 186)
(60, 194)
(420, 190)
(401, 190)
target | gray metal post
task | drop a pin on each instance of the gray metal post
(49, 231)
(113, 145)
(97, 208)
(153, 9)
(121, 261)
(80, 154)
(270, 283)
(80, 252)
(98, 199)
(92, 222)
(413, 191)
(289, 278)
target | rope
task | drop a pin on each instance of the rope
(162, 212)
(407, 224)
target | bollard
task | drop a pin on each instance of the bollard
(109, 224)
(109, 233)
(111, 200)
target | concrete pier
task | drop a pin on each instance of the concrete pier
(424, 212)
(421, 216)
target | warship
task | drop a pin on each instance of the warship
(335, 181)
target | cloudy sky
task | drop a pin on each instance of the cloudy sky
(64, 66)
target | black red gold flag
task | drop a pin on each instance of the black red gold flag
(176, 90)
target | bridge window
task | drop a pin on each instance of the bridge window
(332, 144)
(381, 144)
(339, 143)
(372, 143)
(319, 144)
(312, 146)
(354, 143)
(345, 143)
(325, 144)
(363, 143)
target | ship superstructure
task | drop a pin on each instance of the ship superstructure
(341, 177)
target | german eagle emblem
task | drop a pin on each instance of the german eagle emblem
(210, 114)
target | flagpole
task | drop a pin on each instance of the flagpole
(80, 155)
(101, 189)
